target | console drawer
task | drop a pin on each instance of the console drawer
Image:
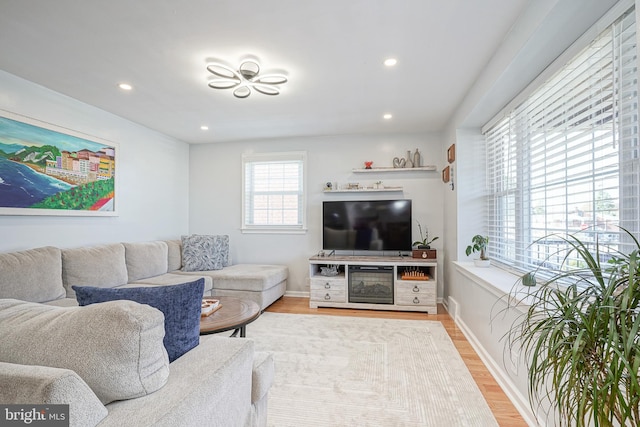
(328, 284)
(328, 289)
(416, 293)
(328, 295)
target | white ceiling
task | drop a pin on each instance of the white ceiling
(331, 50)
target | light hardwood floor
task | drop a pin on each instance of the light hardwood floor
(502, 408)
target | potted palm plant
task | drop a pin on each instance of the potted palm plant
(581, 337)
(479, 244)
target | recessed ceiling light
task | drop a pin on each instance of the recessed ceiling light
(204, 127)
(125, 86)
(387, 116)
(390, 62)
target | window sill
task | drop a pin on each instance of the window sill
(496, 280)
(273, 230)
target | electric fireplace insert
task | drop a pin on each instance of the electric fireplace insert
(371, 284)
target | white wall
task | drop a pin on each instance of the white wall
(486, 323)
(215, 192)
(540, 35)
(151, 172)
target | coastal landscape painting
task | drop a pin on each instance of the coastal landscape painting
(45, 170)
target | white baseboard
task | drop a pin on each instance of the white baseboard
(519, 401)
(296, 294)
(453, 308)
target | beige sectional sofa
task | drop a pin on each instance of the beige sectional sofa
(160, 263)
(221, 382)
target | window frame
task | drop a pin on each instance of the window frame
(512, 243)
(249, 159)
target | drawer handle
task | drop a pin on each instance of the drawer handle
(416, 288)
(327, 297)
(416, 300)
(327, 285)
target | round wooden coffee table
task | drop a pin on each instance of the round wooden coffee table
(233, 314)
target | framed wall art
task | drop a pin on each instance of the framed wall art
(446, 174)
(49, 170)
(451, 153)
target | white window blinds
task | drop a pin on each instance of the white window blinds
(566, 159)
(274, 196)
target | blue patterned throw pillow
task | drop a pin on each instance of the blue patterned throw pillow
(180, 304)
(202, 253)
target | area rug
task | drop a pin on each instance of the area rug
(346, 371)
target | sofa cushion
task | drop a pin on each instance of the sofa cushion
(263, 375)
(115, 347)
(34, 275)
(43, 385)
(174, 258)
(145, 259)
(248, 277)
(102, 266)
(171, 279)
(210, 386)
(181, 305)
(200, 253)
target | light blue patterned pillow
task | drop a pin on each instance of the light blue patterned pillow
(202, 253)
(224, 249)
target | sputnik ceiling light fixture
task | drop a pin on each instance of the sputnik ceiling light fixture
(244, 79)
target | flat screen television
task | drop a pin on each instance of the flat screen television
(366, 225)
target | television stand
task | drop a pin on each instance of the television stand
(373, 283)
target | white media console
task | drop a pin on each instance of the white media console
(373, 282)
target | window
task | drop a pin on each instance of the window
(274, 196)
(566, 158)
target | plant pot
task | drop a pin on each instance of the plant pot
(482, 262)
(424, 253)
(529, 279)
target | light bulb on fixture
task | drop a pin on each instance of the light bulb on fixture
(244, 79)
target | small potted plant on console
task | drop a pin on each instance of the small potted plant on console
(422, 248)
(479, 244)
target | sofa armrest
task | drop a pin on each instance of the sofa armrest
(263, 375)
(209, 386)
(42, 385)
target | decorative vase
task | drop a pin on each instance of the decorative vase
(416, 159)
(408, 161)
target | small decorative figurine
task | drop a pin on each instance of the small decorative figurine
(367, 164)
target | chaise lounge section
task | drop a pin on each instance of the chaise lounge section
(261, 283)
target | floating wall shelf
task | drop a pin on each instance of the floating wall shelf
(385, 170)
(364, 190)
